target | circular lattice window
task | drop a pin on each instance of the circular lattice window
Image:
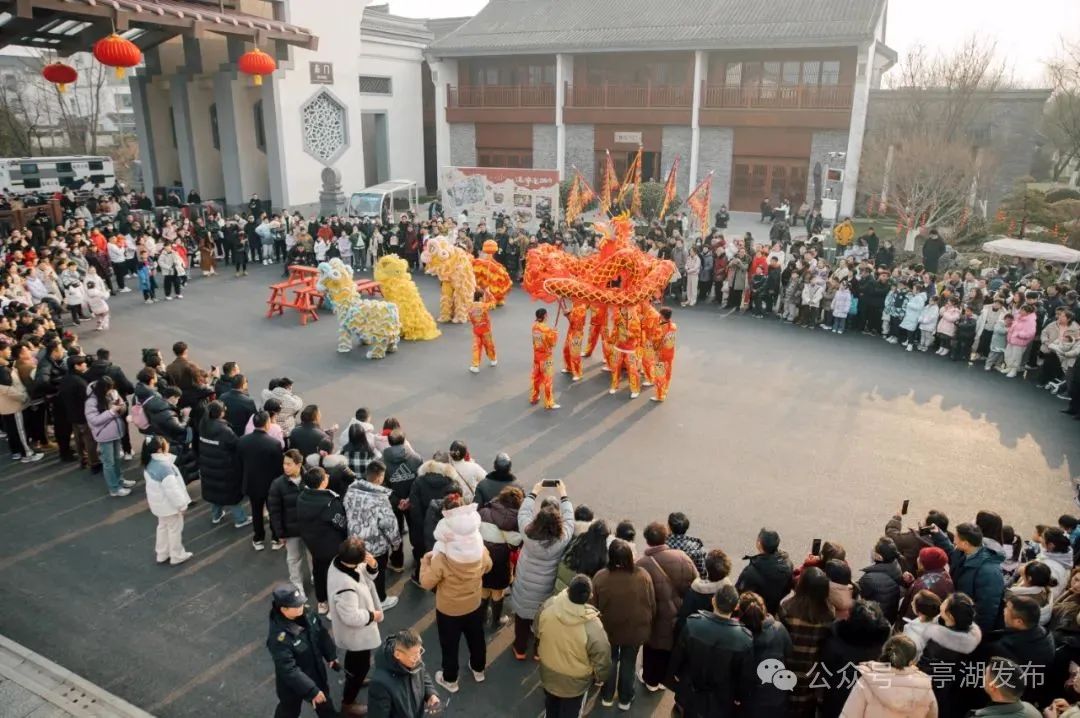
(325, 127)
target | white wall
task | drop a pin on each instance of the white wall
(404, 108)
(337, 25)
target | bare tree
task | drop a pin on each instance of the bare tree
(1061, 123)
(927, 153)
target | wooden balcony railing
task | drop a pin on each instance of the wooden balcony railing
(797, 97)
(501, 96)
(629, 96)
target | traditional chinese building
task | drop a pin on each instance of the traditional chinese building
(771, 95)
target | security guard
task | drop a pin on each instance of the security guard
(301, 648)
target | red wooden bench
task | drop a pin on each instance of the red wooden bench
(279, 296)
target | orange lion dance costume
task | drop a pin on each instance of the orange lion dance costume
(491, 275)
(544, 339)
(618, 280)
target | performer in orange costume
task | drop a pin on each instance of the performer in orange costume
(625, 338)
(665, 350)
(575, 336)
(482, 304)
(597, 328)
(544, 339)
(650, 335)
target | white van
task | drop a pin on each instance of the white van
(385, 200)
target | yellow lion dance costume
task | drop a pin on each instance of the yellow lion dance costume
(491, 275)
(453, 266)
(370, 321)
(417, 324)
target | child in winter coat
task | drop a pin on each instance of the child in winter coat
(457, 535)
(145, 272)
(168, 499)
(74, 291)
(812, 293)
(1000, 341)
(1021, 333)
(792, 295)
(984, 328)
(841, 306)
(946, 328)
(831, 287)
(909, 325)
(928, 321)
(965, 335)
(896, 308)
(97, 297)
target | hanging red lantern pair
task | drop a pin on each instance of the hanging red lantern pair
(117, 52)
(60, 75)
(257, 63)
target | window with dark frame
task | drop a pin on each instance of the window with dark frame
(260, 128)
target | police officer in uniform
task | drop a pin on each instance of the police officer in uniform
(301, 648)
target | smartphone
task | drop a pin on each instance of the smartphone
(550, 483)
(904, 508)
(815, 548)
(925, 531)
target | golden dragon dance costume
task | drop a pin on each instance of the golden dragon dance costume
(665, 351)
(481, 325)
(575, 335)
(626, 336)
(650, 335)
(544, 339)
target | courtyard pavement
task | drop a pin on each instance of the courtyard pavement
(814, 434)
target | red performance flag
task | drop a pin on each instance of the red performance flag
(699, 201)
(669, 188)
(607, 184)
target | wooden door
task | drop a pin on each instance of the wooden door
(755, 178)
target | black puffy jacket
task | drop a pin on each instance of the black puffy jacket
(712, 666)
(221, 484)
(769, 575)
(47, 378)
(281, 504)
(239, 407)
(165, 421)
(848, 644)
(73, 394)
(321, 518)
(883, 583)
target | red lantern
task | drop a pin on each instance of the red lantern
(257, 63)
(60, 75)
(118, 52)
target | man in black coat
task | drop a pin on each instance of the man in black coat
(932, 250)
(498, 479)
(882, 582)
(712, 662)
(72, 393)
(221, 483)
(239, 406)
(1026, 643)
(281, 504)
(872, 295)
(323, 526)
(260, 457)
(400, 685)
(302, 649)
(769, 573)
(308, 433)
(50, 372)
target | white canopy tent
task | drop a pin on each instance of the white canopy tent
(1032, 250)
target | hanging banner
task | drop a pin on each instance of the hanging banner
(525, 196)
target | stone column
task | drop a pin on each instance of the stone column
(229, 132)
(860, 103)
(275, 143)
(700, 77)
(145, 132)
(185, 137)
(560, 127)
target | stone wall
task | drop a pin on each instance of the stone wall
(821, 144)
(463, 144)
(580, 142)
(544, 147)
(717, 146)
(676, 143)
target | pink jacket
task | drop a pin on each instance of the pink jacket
(947, 323)
(885, 692)
(1022, 330)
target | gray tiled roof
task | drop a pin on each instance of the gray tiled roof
(534, 26)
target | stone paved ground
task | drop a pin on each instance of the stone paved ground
(815, 434)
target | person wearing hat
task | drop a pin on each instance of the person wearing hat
(883, 580)
(574, 649)
(497, 479)
(932, 575)
(302, 649)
